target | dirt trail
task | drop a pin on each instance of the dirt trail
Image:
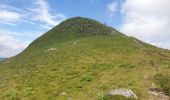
(153, 94)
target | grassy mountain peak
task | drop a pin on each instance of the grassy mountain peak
(82, 59)
(76, 27)
(72, 28)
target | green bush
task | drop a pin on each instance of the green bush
(163, 82)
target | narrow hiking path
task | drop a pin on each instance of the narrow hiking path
(153, 94)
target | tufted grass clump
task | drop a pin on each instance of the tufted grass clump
(163, 82)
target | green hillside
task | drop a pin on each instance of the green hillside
(82, 59)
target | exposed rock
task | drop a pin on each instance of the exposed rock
(123, 92)
(63, 93)
(160, 95)
(51, 49)
(153, 91)
(74, 43)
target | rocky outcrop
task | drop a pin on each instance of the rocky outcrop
(123, 92)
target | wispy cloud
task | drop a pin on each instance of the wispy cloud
(112, 7)
(48, 27)
(7, 16)
(11, 8)
(41, 12)
(113, 10)
(12, 15)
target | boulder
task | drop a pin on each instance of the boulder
(123, 92)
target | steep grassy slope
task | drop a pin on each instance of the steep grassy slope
(82, 64)
(71, 29)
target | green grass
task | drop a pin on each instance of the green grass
(94, 65)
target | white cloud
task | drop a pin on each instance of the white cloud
(9, 16)
(48, 27)
(19, 34)
(148, 20)
(42, 13)
(112, 7)
(11, 8)
(11, 43)
(32, 35)
(113, 11)
(9, 46)
(12, 15)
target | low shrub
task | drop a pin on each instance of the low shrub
(163, 83)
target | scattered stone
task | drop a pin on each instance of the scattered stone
(123, 92)
(74, 43)
(153, 91)
(51, 49)
(160, 95)
(63, 93)
(53, 84)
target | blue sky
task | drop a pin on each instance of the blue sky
(22, 21)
